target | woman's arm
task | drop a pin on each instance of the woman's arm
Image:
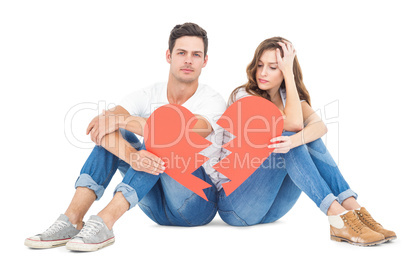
(293, 110)
(314, 127)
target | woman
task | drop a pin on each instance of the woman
(272, 190)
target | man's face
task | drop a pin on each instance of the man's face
(187, 58)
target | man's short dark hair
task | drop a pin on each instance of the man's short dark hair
(188, 29)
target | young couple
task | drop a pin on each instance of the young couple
(267, 195)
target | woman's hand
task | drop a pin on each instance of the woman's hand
(285, 64)
(284, 145)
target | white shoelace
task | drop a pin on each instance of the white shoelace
(56, 227)
(90, 228)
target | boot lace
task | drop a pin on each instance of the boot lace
(355, 223)
(367, 218)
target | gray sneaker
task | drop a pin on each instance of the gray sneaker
(93, 236)
(58, 234)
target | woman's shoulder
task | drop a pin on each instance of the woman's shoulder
(237, 94)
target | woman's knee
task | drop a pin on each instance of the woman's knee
(288, 133)
(234, 219)
(317, 146)
(231, 218)
(286, 198)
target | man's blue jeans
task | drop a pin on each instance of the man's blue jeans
(161, 198)
(272, 190)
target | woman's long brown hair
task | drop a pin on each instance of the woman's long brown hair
(251, 86)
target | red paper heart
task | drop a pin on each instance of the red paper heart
(254, 121)
(168, 135)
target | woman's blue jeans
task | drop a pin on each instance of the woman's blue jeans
(161, 198)
(272, 190)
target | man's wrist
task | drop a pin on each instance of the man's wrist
(130, 155)
(121, 121)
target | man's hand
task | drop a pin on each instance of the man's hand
(147, 162)
(101, 125)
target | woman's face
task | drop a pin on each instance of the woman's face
(268, 75)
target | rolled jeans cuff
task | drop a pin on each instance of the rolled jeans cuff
(128, 192)
(84, 180)
(326, 203)
(345, 195)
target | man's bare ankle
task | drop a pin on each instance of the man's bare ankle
(75, 220)
(107, 219)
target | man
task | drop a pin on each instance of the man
(161, 198)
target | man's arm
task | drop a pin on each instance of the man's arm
(202, 127)
(114, 142)
(139, 160)
(132, 123)
(113, 119)
(136, 125)
(98, 124)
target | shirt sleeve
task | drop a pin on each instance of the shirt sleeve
(212, 109)
(135, 102)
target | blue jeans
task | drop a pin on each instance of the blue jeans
(272, 190)
(160, 197)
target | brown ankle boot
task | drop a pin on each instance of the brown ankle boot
(349, 228)
(366, 218)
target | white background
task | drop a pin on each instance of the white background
(59, 59)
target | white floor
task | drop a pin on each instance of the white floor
(300, 238)
(63, 61)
